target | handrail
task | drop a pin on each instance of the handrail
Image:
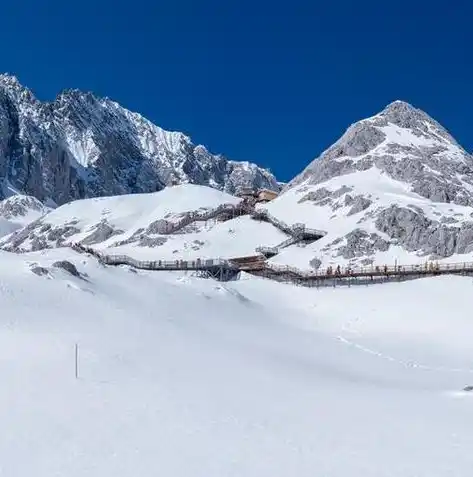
(189, 217)
(258, 264)
(296, 230)
(338, 272)
(197, 264)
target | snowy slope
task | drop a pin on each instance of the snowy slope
(181, 377)
(130, 224)
(83, 146)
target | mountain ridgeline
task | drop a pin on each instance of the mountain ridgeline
(395, 187)
(81, 146)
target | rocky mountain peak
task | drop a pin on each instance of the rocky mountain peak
(406, 144)
(406, 116)
(9, 81)
(69, 96)
(81, 146)
(399, 110)
(395, 179)
(10, 86)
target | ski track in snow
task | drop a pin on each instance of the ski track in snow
(406, 364)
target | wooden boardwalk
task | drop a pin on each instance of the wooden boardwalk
(230, 269)
(361, 276)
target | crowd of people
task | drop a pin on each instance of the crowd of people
(338, 271)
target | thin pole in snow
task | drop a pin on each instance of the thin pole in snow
(77, 361)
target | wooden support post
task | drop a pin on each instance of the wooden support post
(76, 360)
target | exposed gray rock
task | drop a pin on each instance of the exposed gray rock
(62, 232)
(39, 243)
(342, 190)
(464, 240)
(359, 244)
(160, 226)
(348, 200)
(102, 231)
(448, 220)
(360, 203)
(405, 225)
(315, 263)
(316, 195)
(40, 271)
(68, 267)
(415, 232)
(152, 242)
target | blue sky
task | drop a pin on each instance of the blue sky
(266, 81)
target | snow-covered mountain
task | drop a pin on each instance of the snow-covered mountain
(118, 371)
(395, 186)
(82, 146)
(18, 211)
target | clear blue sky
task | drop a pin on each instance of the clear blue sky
(267, 81)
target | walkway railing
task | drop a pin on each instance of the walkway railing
(429, 268)
(165, 227)
(299, 231)
(197, 264)
(164, 264)
(258, 266)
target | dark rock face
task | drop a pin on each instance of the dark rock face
(102, 231)
(40, 271)
(360, 244)
(68, 267)
(413, 231)
(82, 146)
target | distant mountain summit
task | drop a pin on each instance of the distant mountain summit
(83, 146)
(394, 187)
(406, 144)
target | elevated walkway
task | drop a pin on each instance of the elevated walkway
(298, 232)
(222, 213)
(229, 269)
(219, 269)
(360, 276)
(257, 264)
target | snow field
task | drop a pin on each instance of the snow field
(181, 376)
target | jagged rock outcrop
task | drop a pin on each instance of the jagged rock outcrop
(82, 146)
(413, 231)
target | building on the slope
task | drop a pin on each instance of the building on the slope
(260, 195)
(266, 195)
